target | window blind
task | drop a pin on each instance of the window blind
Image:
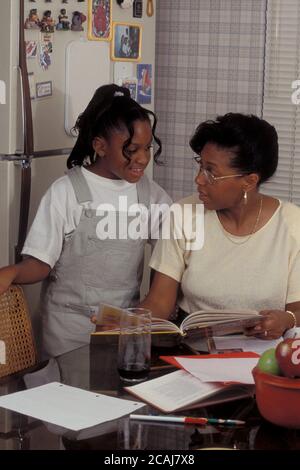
(282, 68)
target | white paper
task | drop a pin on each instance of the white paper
(174, 391)
(220, 369)
(66, 406)
(245, 343)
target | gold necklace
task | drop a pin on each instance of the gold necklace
(252, 231)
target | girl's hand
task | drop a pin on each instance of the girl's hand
(273, 324)
(7, 276)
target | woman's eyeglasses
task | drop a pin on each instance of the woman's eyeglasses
(210, 178)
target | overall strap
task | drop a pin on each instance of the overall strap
(143, 191)
(80, 186)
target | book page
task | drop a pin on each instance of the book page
(203, 318)
(159, 324)
(174, 391)
(244, 343)
(220, 369)
(205, 324)
(109, 319)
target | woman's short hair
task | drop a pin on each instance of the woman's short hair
(253, 141)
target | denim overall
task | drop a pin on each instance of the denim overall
(89, 271)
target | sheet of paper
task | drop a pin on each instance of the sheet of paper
(245, 343)
(220, 369)
(174, 391)
(66, 406)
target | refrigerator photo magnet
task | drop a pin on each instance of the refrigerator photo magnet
(31, 49)
(45, 56)
(131, 84)
(44, 89)
(126, 42)
(144, 76)
(99, 20)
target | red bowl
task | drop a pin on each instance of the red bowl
(278, 398)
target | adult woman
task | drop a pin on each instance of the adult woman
(251, 253)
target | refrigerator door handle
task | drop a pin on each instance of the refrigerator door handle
(21, 151)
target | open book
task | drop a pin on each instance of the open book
(208, 323)
(180, 390)
(199, 324)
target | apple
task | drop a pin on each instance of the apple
(268, 362)
(288, 357)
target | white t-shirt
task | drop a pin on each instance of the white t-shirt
(263, 273)
(59, 212)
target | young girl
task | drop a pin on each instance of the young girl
(67, 244)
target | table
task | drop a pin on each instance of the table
(94, 368)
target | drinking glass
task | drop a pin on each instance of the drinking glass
(134, 351)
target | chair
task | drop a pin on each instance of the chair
(16, 332)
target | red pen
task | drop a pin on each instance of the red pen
(186, 420)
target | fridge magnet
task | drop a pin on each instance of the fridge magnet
(31, 82)
(47, 42)
(125, 3)
(150, 8)
(44, 89)
(126, 42)
(137, 9)
(131, 84)
(123, 70)
(33, 21)
(63, 23)
(77, 19)
(45, 57)
(144, 75)
(47, 23)
(99, 20)
(31, 49)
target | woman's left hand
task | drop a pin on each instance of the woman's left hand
(273, 324)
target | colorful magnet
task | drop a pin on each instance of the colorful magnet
(47, 23)
(31, 49)
(63, 21)
(77, 20)
(33, 21)
(144, 74)
(137, 8)
(45, 57)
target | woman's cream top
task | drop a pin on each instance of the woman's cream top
(261, 273)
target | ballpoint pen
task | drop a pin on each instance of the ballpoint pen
(187, 420)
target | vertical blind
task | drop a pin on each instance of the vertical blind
(282, 69)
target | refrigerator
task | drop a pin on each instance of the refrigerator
(46, 79)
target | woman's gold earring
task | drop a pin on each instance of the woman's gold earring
(245, 197)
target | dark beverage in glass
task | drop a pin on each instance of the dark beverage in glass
(134, 373)
(134, 350)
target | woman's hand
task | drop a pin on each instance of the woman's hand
(273, 324)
